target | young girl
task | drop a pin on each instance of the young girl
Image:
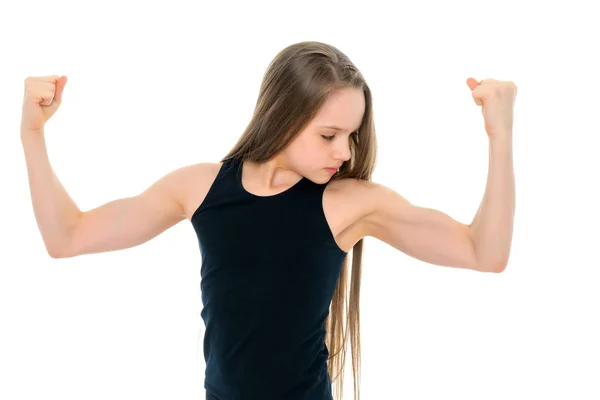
(277, 217)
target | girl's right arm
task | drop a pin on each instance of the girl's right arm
(119, 224)
(65, 229)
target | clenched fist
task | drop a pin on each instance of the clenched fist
(42, 97)
(497, 99)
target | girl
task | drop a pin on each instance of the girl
(277, 217)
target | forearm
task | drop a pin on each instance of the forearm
(492, 227)
(55, 212)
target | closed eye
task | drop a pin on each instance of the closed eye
(329, 138)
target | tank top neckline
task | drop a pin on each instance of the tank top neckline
(238, 174)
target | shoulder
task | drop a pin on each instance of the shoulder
(357, 201)
(348, 204)
(360, 193)
(190, 184)
(350, 186)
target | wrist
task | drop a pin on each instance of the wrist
(501, 139)
(29, 134)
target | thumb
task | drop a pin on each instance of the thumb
(60, 86)
(474, 85)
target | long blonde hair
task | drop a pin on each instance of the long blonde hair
(294, 87)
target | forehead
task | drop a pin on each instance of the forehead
(343, 108)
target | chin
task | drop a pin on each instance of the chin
(325, 178)
(317, 179)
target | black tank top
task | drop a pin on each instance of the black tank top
(270, 265)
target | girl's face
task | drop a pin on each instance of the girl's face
(325, 142)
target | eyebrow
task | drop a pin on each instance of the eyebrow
(337, 128)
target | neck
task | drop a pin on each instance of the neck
(271, 175)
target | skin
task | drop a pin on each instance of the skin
(315, 148)
(354, 209)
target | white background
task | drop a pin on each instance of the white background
(156, 86)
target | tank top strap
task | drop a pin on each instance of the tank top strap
(223, 189)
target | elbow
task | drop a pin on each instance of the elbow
(487, 265)
(56, 253)
(500, 267)
(63, 247)
(495, 268)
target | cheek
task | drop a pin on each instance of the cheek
(307, 151)
(313, 154)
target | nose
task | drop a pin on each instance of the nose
(342, 152)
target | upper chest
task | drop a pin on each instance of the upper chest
(342, 212)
